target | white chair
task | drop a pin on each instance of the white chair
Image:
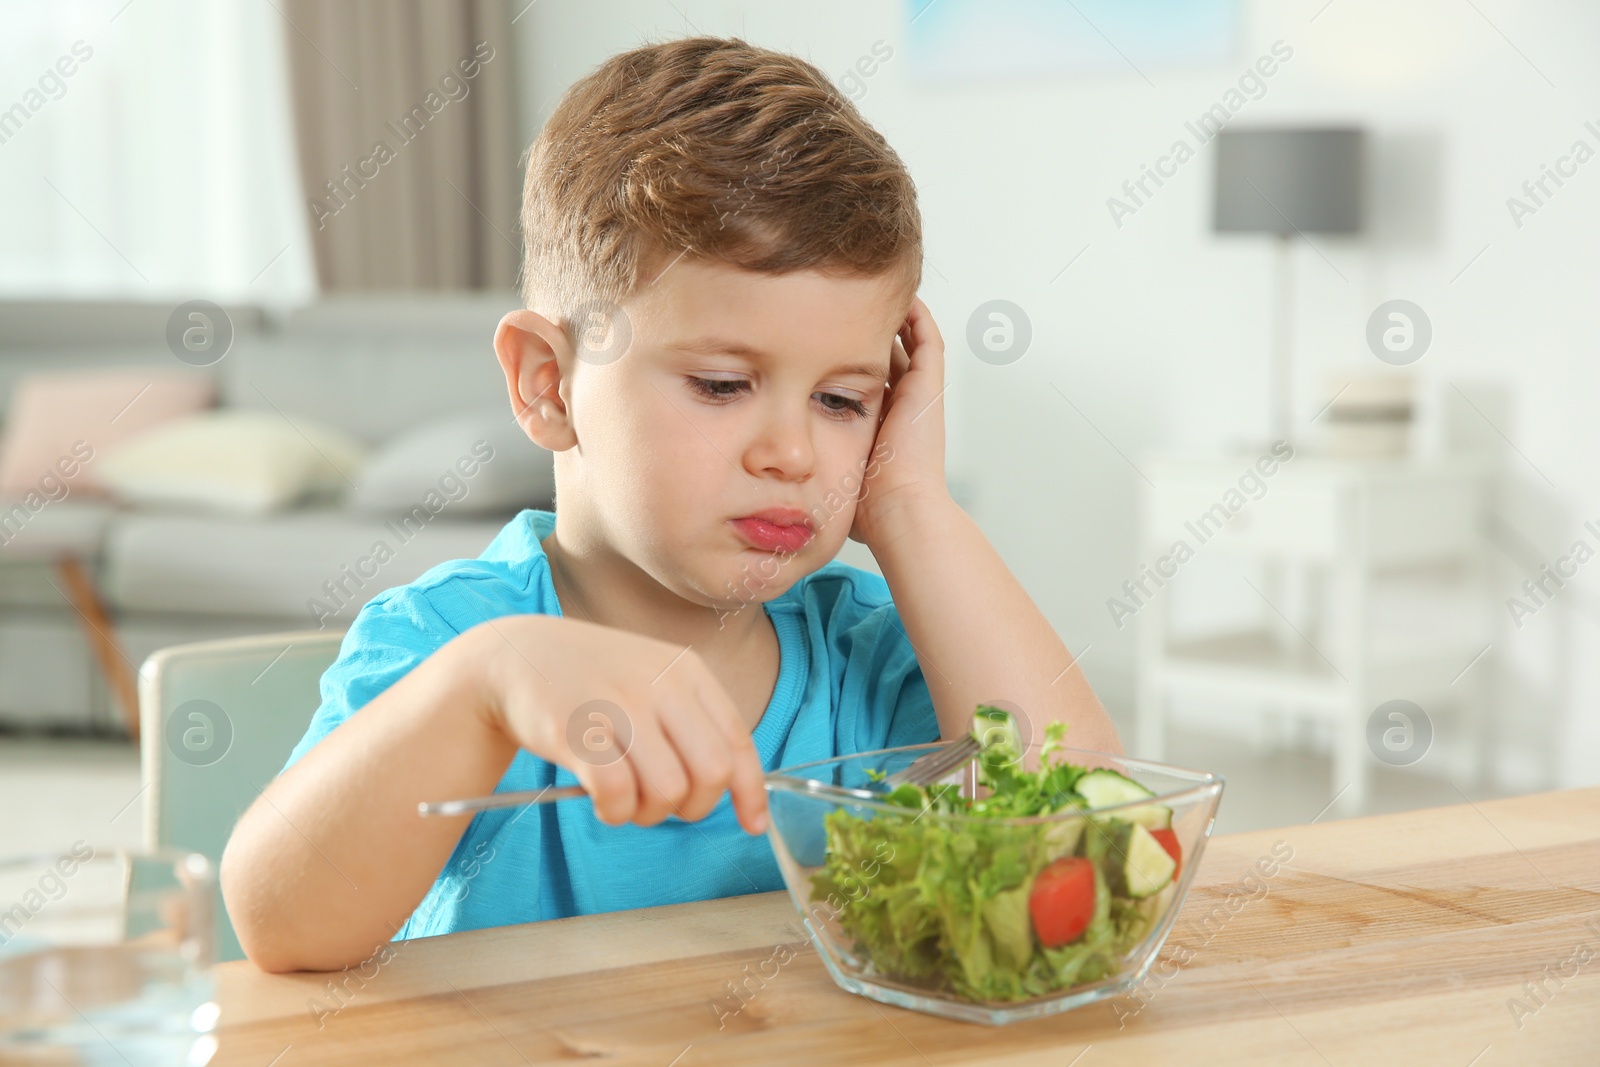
(218, 719)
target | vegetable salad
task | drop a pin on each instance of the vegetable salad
(999, 912)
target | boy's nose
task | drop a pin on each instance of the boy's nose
(782, 448)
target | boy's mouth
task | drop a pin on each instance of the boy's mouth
(775, 529)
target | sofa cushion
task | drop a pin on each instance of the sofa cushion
(237, 462)
(38, 528)
(480, 463)
(313, 567)
(58, 423)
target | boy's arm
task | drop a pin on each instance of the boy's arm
(977, 634)
(332, 857)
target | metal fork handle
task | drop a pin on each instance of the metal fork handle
(924, 770)
(513, 799)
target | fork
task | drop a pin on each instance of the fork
(924, 770)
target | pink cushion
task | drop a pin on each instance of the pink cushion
(58, 423)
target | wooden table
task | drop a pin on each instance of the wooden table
(1400, 939)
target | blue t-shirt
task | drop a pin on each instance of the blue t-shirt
(848, 682)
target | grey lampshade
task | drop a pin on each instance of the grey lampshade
(1289, 180)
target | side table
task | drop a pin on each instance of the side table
(1346, 526)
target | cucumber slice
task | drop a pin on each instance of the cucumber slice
(997, 732)
(1104, 787)
(1136, 864)
(1061, 837)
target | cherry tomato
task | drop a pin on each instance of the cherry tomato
(1062, 900)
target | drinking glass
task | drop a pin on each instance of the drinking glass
(105, 957)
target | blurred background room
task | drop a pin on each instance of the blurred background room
(1265, 328)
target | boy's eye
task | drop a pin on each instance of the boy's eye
(845, 406)
(722, 389)
(717, 388)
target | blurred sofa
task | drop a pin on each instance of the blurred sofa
(376, 368)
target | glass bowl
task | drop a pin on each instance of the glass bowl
(932, 911)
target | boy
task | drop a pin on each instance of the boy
(723, 347)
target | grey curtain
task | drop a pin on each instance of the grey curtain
(405, 116)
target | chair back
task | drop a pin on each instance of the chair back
(217, 721)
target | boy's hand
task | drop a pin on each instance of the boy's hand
(644, 725)
(908, 456)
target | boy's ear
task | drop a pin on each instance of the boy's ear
(532, 350)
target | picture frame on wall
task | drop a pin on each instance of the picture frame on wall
(975, 40)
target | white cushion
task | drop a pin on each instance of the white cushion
(232, 462)
(474, 464)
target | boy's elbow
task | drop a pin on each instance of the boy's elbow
(268, 961)
(248, 908)
(235, 877)
(275, 959)
(269, 939)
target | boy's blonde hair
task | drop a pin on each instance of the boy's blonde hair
(714, 148)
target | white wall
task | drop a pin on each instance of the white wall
(1159, 332)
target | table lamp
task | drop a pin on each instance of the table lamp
(1288, 182)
